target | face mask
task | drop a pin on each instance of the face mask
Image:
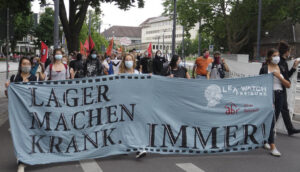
(94, 56)
(206, 56)
(64, 62)
(159, 55)
(128, 64)
(276, 60)
(180, 64)
(58, 57)
(26, 69)
(34, 61)
(217, 59)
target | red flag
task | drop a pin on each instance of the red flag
(91, 43)
(44, 52)
(110, 47)
(82, 51)
(86, 46)
(150, 50)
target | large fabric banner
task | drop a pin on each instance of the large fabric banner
(58, 121)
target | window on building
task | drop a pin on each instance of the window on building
(153, 47)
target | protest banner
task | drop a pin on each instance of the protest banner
(58, 121)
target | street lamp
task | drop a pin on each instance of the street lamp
(56, 28)
(258, 29)
(174, 29)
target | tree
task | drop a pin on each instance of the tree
(44, 30)
(98, 39)
(77, 14)
(17, 9)
(23, 25)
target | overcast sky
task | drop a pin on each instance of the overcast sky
(114, 16)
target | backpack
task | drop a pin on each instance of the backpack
(50, 70)
(221, 70)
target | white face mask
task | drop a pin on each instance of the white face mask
(276, 60)
(26, 69)
(94, 56)
(64, 62)
(58, 57)
(128, 64)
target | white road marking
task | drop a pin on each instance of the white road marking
(90, 166)
(189, 167)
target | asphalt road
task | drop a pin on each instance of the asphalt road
(257, 160)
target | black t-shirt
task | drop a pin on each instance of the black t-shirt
(78, 68)
(18, 78)
(146, 65)
(158, 65)
(179, 73)
(72, 63)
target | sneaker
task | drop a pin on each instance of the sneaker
(275, 152)
(21, 167)
(141, 154)
(267, 146)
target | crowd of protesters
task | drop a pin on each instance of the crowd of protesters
(62, 67)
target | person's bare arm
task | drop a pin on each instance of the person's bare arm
(284, 82)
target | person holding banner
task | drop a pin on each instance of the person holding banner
(23, 75)
(93, 66)
(201, 64)
(128, 65)
(271, 66)
(57, 70)
(285, 51)
(175, 69)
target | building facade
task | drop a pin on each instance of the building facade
(123, 35)
(158, 31)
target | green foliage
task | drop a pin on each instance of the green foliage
(98, 39)
(23, 25)
(232, 24)
(44, 30)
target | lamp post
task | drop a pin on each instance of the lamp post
(258, 29)
(56, 28)
(174, 29)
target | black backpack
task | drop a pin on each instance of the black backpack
(221, 70)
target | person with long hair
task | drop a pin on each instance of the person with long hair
(76, 70)
(284, 52)
(57, 70)
(271, 66)
(175, 68)
(158, 62)
(128, 65)
(93, 66)
(23, 75)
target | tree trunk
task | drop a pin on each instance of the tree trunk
(72, 27)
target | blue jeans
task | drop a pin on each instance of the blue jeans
(201, 77)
